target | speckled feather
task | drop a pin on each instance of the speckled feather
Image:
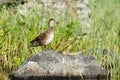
(45, 37)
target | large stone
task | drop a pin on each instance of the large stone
(50, 65)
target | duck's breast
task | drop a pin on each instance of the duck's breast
(50, 37)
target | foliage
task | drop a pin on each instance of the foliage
(17, 31)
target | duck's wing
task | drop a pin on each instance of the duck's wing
(39, 40)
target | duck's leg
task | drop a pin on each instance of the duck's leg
(44, 48)
(35, 50)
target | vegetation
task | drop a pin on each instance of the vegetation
(17, 31)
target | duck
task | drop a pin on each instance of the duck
(46, 37)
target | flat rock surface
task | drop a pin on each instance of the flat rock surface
(50, 63)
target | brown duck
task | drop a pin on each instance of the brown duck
(46, 37)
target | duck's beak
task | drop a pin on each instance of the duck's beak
(57, 22)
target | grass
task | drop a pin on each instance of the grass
(17, 31)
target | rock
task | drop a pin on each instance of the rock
(51, 65)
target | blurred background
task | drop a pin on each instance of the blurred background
(92, 26)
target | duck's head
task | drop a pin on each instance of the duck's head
(52, 22)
